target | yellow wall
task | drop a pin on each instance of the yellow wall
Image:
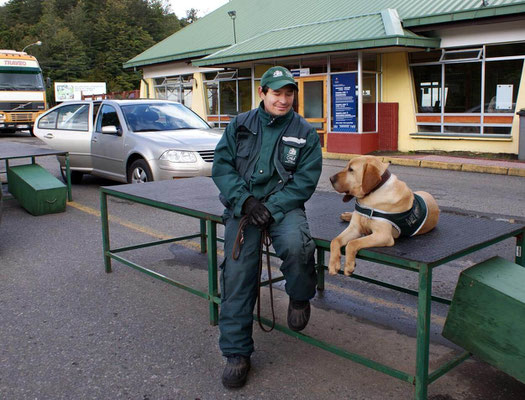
(398, 87)
(198, 99)
(144, 94)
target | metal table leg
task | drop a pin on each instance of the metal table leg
(203, 235)
(520, 243)
(68, 179)
(320, 268)
(423, 331)
(213, 289)
(105, 230)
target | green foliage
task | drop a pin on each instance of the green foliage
(88, 40)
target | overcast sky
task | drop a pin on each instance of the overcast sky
(204, 6)
(179, 7)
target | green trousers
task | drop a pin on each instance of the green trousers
(292, 243)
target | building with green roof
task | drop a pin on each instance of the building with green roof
(404, 75)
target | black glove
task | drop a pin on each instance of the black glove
(257, 213)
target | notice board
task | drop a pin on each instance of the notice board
(344, 107)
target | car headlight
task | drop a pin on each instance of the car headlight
(2, 117)
(178, 156)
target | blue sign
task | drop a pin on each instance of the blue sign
(344, 108)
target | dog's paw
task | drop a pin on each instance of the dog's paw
(349, 267)
(334, 266)
(346, 216)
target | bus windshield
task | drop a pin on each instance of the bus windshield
(21, 81)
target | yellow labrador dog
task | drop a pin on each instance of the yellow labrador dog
(385, 209)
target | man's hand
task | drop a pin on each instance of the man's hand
(257, 213)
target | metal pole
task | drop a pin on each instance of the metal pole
(213, 289)
(203, 236)
(423, 331)
(105, 230)
(68, 179)
(520, 243)
(320, 268)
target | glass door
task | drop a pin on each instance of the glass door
(312, 102)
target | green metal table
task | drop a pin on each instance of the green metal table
(14, 150)
(451, 239)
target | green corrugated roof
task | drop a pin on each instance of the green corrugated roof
(258, 22)
(363, 31)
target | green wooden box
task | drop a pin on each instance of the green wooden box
(487, 315)
(36, 189)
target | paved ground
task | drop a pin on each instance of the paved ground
(71, 331)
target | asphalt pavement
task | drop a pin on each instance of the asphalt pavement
(71, 331)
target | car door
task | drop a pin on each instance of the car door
(68, 128)
(108, 144)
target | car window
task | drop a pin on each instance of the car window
(107, 117)
(73, 117)
(96, 107)
(158, 116)
(48, 121)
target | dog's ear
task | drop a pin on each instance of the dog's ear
(371, 178)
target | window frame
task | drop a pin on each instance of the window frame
(443, 116)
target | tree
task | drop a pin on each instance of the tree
(88, 40)
(191, 17)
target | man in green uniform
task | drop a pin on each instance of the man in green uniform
(266, 166)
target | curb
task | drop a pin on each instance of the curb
(412, 162)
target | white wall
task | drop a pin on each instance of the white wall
(476, 35)
(170, 69)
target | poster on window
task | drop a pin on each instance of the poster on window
(344, 108)
(504, 97)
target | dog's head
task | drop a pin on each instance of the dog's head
(360, 176)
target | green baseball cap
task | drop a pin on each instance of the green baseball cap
(277, 77)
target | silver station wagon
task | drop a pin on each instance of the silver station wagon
(129, 141)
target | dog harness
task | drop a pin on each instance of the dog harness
(407, 223)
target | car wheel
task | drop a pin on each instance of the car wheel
(76, 176)
(139, 172)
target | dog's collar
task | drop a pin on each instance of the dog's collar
(386, 175)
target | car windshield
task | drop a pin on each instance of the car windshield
(143, 117)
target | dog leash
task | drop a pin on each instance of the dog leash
(266, 240)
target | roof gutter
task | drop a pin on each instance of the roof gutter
(172, 57)
(484, 12)
(322, 48)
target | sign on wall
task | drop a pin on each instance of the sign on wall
(344, 107)
(74, 90)
(300, 72)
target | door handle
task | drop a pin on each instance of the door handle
(94, 140)
(49, 136)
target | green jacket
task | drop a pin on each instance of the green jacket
(277, 160)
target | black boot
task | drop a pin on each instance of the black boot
(298, 314)
(236, 371)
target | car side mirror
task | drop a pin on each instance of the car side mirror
(111, 130)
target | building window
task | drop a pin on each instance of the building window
(228, 93)
(458, 91)
(177, 88)
(502, 80)
(427, 82)
(212, 97)
(462, 87)
(346, 63)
